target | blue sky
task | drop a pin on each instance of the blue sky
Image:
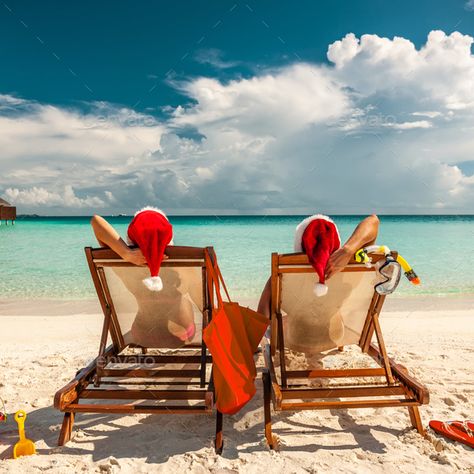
(237, 107)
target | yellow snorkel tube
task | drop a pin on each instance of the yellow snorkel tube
(409, 272)
(361, 256)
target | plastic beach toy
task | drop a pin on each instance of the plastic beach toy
(3, 412)
(25, 446)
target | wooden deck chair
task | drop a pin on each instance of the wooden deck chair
(149, 367)
(347, 315)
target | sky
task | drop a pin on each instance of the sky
(225, 107)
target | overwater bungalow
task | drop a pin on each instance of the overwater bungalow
(7, 212)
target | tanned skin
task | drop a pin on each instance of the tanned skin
(364, 234)
(107, 236)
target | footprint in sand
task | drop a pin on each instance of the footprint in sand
(461, 397)
(449, 401)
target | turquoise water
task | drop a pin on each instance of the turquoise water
(44, 257)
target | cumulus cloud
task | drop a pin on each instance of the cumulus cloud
(441, 72)
(42, 197)
(98, 134)
(385, 127)
(50, 152)
(275, 103)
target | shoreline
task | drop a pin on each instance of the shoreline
(66, 307)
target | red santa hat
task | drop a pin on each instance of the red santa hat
(152, 232)
(318, 237)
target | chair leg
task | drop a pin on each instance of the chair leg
(219, 441)
(416, 420)
(66, 429)
(267, 408)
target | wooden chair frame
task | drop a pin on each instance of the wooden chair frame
(90, 384)
(291, 396)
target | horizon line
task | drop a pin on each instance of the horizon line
(258, 215)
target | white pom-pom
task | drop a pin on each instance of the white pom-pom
(153, 283)
(320, 289)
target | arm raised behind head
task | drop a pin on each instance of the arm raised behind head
(107, 236)
(364, 234)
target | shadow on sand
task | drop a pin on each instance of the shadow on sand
(157, 438)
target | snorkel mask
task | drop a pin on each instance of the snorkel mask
(391, 269)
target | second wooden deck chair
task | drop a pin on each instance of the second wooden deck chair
(347, 315)
(157, 362)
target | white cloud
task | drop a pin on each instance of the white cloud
(110, 196)
(36, 197)
(204, 173)
(272, 104)
(214, 57)
(429, 114)
(441, 72)
(382, 128)
(411, 125)
(103, 133)
(9, 101)
(49, 153)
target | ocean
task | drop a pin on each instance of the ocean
(43, 257)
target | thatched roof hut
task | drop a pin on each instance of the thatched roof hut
(7, 211)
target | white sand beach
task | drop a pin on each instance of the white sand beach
(43, 344)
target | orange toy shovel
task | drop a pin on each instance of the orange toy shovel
(25, 446)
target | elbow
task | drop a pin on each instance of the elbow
(375, 225)
(94, 219)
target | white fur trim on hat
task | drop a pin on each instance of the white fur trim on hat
(153, 283)
(151, 208)
(301, 227)
(320, 289)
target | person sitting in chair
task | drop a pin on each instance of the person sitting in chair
(318, 237)
(151, 232)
